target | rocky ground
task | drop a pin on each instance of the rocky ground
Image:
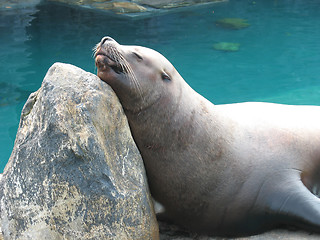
(273, 235)
(170, 232)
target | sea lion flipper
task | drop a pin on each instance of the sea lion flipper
(287, 201)
(300, 207)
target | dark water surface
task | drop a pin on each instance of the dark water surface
(278, 59)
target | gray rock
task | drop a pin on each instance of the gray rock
(75, 172)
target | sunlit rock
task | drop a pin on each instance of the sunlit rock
(75, 172)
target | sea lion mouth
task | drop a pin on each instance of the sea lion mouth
(104, 60)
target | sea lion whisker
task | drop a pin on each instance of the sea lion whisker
(120, 60)
(95, 49)
(117, 55)
(134, 80)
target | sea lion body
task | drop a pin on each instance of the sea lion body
(228, 170)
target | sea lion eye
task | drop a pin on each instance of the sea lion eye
(138, 56)
(165, 77)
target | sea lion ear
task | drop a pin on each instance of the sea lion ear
(165, 77)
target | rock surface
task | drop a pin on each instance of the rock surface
(75, 172)
(170, 232)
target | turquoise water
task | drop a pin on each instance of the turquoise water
(278, 59)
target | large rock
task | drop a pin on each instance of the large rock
(75, 172)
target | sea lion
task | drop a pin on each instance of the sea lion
(225, 170)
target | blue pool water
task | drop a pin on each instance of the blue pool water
(278, 60)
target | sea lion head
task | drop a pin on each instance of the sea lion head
(140, 76)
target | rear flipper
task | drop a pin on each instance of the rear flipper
(303, 208)
(291, 202)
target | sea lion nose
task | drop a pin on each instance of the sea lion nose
(105, 39)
